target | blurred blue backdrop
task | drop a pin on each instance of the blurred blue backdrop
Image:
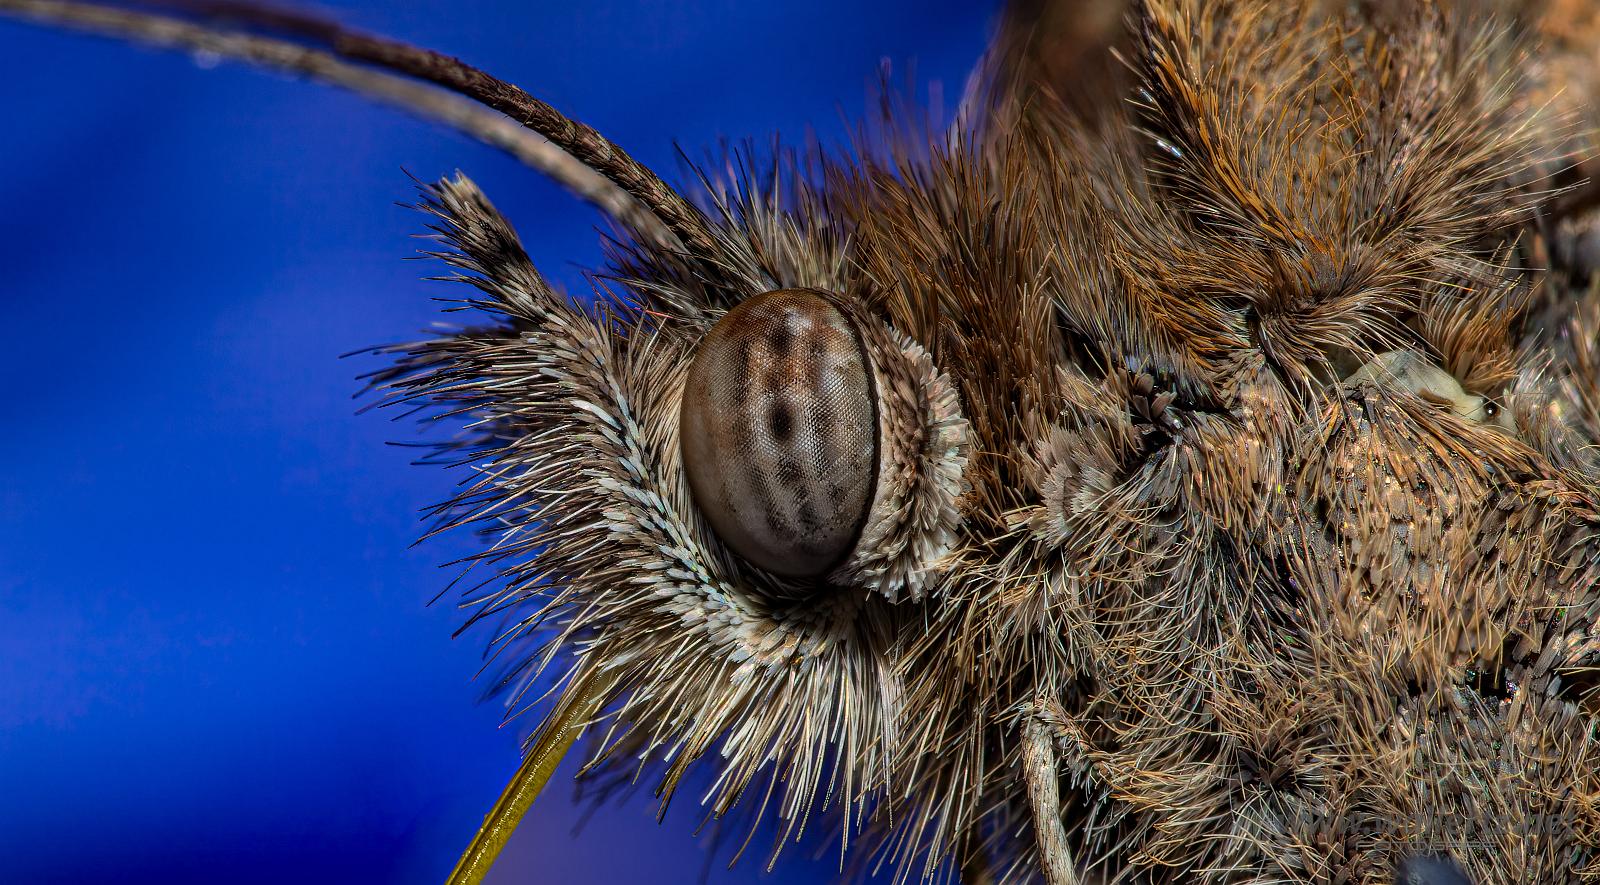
(216, 661)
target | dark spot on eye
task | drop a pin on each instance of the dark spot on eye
(790, 474)
(809, 519)
(817, 355)
(1490, 408)
(780, 339)
(782, 422)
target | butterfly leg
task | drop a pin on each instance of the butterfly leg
(1041, 771)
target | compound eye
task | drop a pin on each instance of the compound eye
(780, 432)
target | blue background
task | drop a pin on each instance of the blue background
(216, 659)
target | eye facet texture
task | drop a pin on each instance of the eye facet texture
(780, 432)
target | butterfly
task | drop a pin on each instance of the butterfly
(1176, 467)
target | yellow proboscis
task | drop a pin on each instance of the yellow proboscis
(580, 703)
